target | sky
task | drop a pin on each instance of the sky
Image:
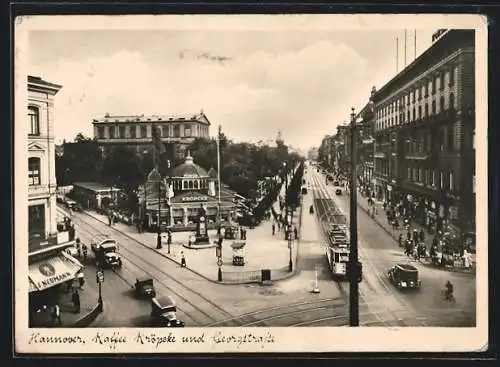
(253, 83)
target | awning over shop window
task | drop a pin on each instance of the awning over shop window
(50, 272)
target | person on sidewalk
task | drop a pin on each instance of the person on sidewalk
(76, 301)
(81, 280)
(273, 227)
(85, 252)
(183, 260)
(56, 314)
(295, 233)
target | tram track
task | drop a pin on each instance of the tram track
(367, 289)
(189, 299)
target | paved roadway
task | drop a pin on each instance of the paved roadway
(386, 305)
(201, 302)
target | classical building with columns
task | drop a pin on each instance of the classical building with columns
(190, 187)
(136, 131)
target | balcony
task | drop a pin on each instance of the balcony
(63, 238)
(417, 156)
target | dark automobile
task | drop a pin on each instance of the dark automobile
(163, 312)
(144, 288)
(336, 183)
(404, 276)
(304, 190)
(338, 191)
(105, 250)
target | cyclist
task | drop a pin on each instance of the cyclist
(448, 295)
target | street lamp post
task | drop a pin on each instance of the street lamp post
(158, 238)
(167, 182)
(288, 232)
(354, 265)
(100, 280)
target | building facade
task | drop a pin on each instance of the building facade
(136, 131)
(177, 207)
(365, 150)
(49, 265)
(424, 126)
(41, 159)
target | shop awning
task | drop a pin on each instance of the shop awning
(52, 271)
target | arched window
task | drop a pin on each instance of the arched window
(34, 115)
(433, 107)
(34, 176)
(426, 110)
(196, 185)
(185, 185)
(190, 184)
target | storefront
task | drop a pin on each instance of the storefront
(48, 271)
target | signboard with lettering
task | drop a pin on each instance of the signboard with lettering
(48, 273)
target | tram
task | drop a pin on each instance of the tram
(337, 251)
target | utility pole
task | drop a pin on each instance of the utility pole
(353, 269)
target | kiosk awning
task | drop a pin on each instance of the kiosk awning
(50, 272)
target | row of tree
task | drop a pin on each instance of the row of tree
(243, 164)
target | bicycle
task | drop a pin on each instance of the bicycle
(449, 297)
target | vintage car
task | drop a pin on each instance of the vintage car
(404, 276)
(338, 191)
(144, 288)
(303, 190)
(163, 312)
(105, 250)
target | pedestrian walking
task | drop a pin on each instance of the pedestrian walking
(273, 228)
(56, 314)
(85, 252)
(169, 237)
(81, 279)
(76, 301)
(295, 233)
(183, 260)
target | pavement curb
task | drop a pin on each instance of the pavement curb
(471, 273)
(187, 268)
(86, 319)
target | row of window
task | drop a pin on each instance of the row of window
(423, 89)
(190, 184)
(422, 142)
(416, 113)
(124, 131)
(428, 177)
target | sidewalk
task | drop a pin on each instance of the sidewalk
(88, 301)
(262, 251)
(381, 219)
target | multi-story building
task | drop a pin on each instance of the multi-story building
(136, 131)
(343, 146)
(365, 143)
(49, 264)
(424, 126)
(41, 158)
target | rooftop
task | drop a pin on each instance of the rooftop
(36, 80)
(189, 169)
(195, 117)
(94, 186)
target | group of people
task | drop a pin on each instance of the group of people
(414, 244)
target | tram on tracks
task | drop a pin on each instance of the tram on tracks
(337, 251)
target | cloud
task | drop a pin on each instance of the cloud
(303, 93)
